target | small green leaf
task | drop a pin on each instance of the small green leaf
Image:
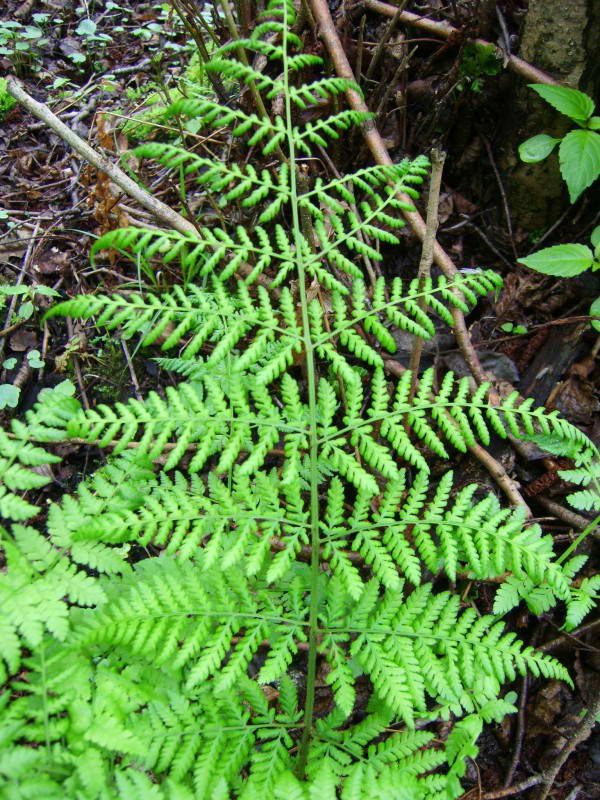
(9, 395)
(9, 363)
(579, 156)
(34, 359)
(537, 148)
(595, 310)
(47, 291)
(31, 32)
(564, 260)
(507, 327)
(14, 290)
(595, 237)
(594, 123)
(87, 27)
(26, 310)
(571, 102)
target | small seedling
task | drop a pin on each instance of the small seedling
(20, 44)
(26, 308)
(509, 327)
(478, 61)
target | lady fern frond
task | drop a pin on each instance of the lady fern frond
(281, 513)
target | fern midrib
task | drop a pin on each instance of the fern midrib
(312, 422)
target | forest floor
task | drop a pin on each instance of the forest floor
(95, 65)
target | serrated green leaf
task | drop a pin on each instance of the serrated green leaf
(563, 260)
(571, 102)
(579, 156)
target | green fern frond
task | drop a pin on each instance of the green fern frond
(277, 508)
(24, 466)
(34, 591)
(311, 93)
(438, 652)
(228, 182)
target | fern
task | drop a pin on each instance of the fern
(276, 511)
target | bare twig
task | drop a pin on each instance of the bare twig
(12, 327)
(24, 9)
(519, 733)
(509, 226)
(134, 380)
(517, 788)
(572, 638)
(187, 14)
(447, 31)
(545, 780)
(384, 40)
(13, 300)
(580, 734)
(437, 166)
(566, 515)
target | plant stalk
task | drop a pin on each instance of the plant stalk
(437, 165)
(313, 436)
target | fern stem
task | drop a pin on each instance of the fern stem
(575, 544)
(313, 432)
(256, 96)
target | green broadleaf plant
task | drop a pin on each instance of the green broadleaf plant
(579, 151)
(285, 484)
(579, 157)
(567, 261)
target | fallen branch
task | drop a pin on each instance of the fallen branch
(160, 210)
(437, 165)
(446, 31)
(580, 734)
(545, 780)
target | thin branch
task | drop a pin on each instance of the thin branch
(507, 216)
(572, 519)
(517, 788)
(579, 735)
(519, 733)
(447, 31)
(572, 638)
(437, 165)
(186, 15)
(384, 39)
(546, 779)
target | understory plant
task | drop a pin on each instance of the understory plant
(257, 594)
(579, 158)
